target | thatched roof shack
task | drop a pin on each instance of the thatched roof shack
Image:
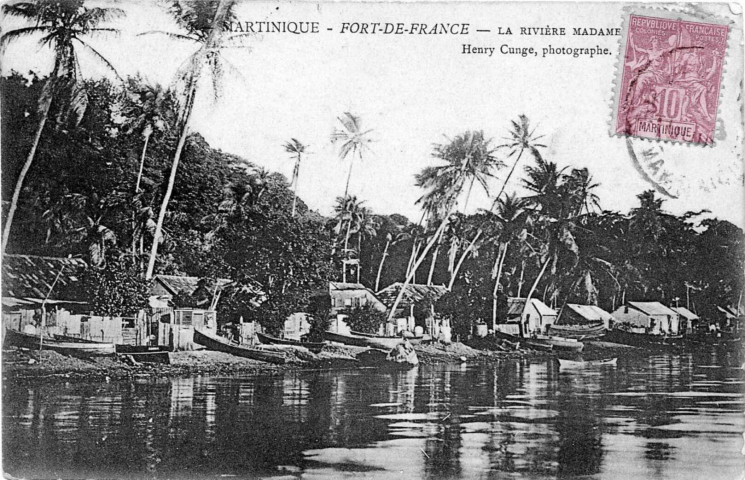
(28, 280)
(414, 294)
(167, 287)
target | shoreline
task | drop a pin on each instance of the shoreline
(20, 365)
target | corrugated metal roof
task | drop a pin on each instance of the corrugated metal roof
(414, 293)
(30, 276)
(652, 308)
(590, 312)
(516, 306)
(346, 286)
(684, 312)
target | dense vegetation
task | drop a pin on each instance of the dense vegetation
(122, 169)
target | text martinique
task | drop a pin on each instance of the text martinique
(350, 27)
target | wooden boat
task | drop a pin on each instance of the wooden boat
(412, 340)
(370, 341)
(586, 363)
(645, 340)
(560, 343)
(220, 344)
(314, 347)
(146, 353)
(78, 347)
(579, 332)
(526, 342)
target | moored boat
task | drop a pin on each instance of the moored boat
(412, 340)
(527, 342)
(314, 347)
(563, 363)
(370, 341)
(78, 347)
(219, 344)
(560, 343)
(146, 353)
(579, 332)
(643, 339)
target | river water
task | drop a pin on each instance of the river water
(675, 416)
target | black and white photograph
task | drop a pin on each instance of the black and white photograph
(372, 239)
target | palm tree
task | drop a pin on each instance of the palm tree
(505, 225)
(521, 138)
(468, 158)
(366, 226)
(63, 25)
(390, 240)
(353, 140)
(204, 23)
(297, 149)
(149, 108)
(348, 212)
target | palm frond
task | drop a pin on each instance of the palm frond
(100, 58)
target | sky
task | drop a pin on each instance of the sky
(417, 90)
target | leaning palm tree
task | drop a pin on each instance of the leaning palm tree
(468, 158)
(354, 140)
(521, 138)
(64, 26)
(297, 149)
(148, 108)
(204, 23)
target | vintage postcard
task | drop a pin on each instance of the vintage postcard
(394, 240)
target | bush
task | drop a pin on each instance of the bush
(365, 319)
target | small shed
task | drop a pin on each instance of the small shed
(587, 315)
(536, 316)
(345, 296)
(687, 319)
(650, 317)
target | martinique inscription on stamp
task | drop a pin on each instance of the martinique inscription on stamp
(671, 73)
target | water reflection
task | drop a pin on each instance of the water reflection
(664, 416)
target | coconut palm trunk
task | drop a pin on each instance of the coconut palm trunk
(535, 285)
(430, 244)
(295, 176)
(434, 262)
(380, 267)
(147, 134)
(499, 263)
(26, 166)
(217, 23)
(462, 259)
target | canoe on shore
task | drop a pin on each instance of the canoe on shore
(146, 353)
(412, 340)
(314, 347)
(586, 363)
(560, 343)
(220, 344)
(76, 347)
(369, 341)
(579, 332)
(524, 342)
(643, 339)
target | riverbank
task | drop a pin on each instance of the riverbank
(27, 364)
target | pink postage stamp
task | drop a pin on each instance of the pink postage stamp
(670, 78)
